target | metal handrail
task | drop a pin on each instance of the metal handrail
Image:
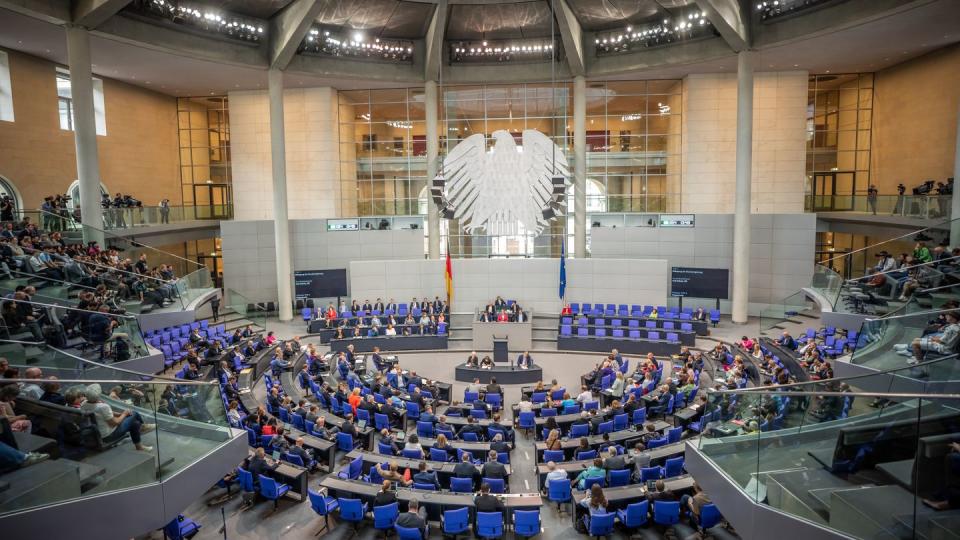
(53, 279)
(900, 395)
(905, 268)
(55, 306)
(931, 227)
(124, 370)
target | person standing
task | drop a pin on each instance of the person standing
(898, 206)
(215, 307)
(872, 198)
(165, 211)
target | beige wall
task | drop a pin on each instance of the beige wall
(710, 141)
(915, 120)
(312, 140)
(137, 156)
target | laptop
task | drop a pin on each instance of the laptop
(361, 424)
(276, 455)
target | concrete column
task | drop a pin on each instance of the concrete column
(433, 165)
(281, 225)
(741, 218)
(579, 167)
(85, 133)
(955, 200)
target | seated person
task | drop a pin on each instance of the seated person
(113, 426)
(484, 502)
(943, 343)
(413, 445)
(593, 503)
(466, 469)
(524, 361)
(595, 470)
(554, 475)
(392, 473)
(487, 362)
(385, 496)
(414, 518)
(950, 496)
(473, 360)
(424, 476)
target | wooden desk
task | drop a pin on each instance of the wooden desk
(444, 470)
(624, 437)
(573, 468)
(620, 497)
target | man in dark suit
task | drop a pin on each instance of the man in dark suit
(391, 305)
(584, 419)
(387, 438)
(417, 397)
(524, 361)
(367, 306)
(499, 445)
(493, 468)
(465, 469)
(484, 502)
(411, 519)
(424, 476)
(298, 450)
(471, 427)
(385, 496)
(493, 387)
(349, 427)
(378, 305)
(426, 415)
(662, 401)
(259, 465)
(392, 413)
(595, 421)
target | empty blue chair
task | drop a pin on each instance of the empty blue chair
(413, 411)
(619, 478)
(617, 333)
(634, 515)
(620, 422)
(470, 437)
(666, 512)
(352, 511)
(323, 506)
(558, 394)
(470, 397)
(583, 331)
(412, 454)
(353, 469)
(571, 409)
(605, 427)
(653, 335)
(490, 524)
(345, 442)
(673, 434)
(634, 334)
(553, 455)
(686, 327)
(582, 321)
(246, 480)
(424, 429)
(709, 516)
(649, 473)
(575, 307)
(586, 454)
(385, 517)
(497, 485)
(600, 332)
(455, 521)
(478, 414)
(538, 397)
(588, 483)
(673, 467)
(714, 316)
(437, 454)
(657, 443)
(461, 485)
(181, 527)
(494, 400)
(527, 420)
(601, 524)
(270, 489)
(363, 414)
(672, 337)
(526, 523)
(503, 457)
(566, 330)
(650, 324)
(591, 405)
(305, 313)
(559, 492)
(580, 430)
(548, 411)
(386, 449)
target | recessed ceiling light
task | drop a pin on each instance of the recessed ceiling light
(20, 41)
(796, 65)
(828, 71)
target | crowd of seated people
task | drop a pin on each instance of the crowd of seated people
(578, 310)
(501, 310)
(385, 319)
(28, 251)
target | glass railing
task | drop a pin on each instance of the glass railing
(859, 463)
(132, 217)
(888, 342)
(251, 311)
(158, 427)
(64, 324)
(779, 312)
(911, 206)
(827, 282)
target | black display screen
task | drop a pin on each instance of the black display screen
(700, 282)
(320, 283)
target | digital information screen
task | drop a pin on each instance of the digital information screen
(677, 220)
(700, 282)
(320, 283)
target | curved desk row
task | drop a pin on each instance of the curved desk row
(625, 346)
(391, 343)
(505, 374)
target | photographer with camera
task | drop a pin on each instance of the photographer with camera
(898, 206)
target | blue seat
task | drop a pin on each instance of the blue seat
(588, 483)
(673, 434)
(409, 533)
(352, 511)
(246, 480)
(412, 454)
(639, 416)
(547, 411)
(413, 411)
(180, 528)
(555, 456)
(605, 427)
(424, 429)
(461, 485)
(305, 313)
(363, 414)
(620, 422)
(586, 454)
(478, 414)
(526, 523)
(527, 420)
(634, 515)
(270, 489)
(580, 430)
(566, 330)
(470, 397)
(600, 332)
(583, 331)
(649, 473)
(470, 437)
(666, 512)
(497, 485)
(672, 467)
(455, 521)
(345, 442)
(385, 517)
(354, 469)
(538, 397)
(559, 492)
(503, 457)
(619, 478)
(591, 405)
(601, 524)
(436, 454)
(709, 516)
(490, 524)
(381, 421)
(323, 506)
(571, 409)
(494, 400)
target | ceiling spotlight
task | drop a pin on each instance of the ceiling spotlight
(358, 37)
(484, 43)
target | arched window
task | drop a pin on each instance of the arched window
(74, 192)
(7, 189)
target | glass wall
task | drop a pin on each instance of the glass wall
(839, 119)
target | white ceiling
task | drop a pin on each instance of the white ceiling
(870, 46)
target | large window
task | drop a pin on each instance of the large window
(205, 174)
(65, 103)
(633, 144)
(839, 119)
(6, 89)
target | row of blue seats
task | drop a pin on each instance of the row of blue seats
(401, 310)
(631, 323)
(642, 334)
(526, 523)
(635, 310)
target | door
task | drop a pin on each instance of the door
(213, 201)
(834, 191)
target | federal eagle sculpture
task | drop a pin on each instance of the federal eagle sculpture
(504, 187)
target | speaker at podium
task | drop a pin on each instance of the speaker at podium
(500, 351)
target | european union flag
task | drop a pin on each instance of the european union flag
(563, 269)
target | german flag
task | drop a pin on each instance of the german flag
(448, 275)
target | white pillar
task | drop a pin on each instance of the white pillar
(281, 225)
(741, 218)
(579, 167)
(433, 153)
(85, 132)
(955, 200)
